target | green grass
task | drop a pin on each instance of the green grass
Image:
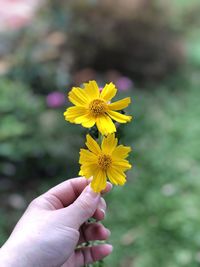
(155, 217)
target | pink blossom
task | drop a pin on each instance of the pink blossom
(15, 14)
(124, 83)
(55, 99)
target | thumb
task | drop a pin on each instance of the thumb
(83, 207)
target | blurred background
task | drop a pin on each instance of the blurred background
(151, 50)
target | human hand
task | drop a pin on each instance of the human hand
(54, 224)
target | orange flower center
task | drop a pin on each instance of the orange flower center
(104, 161)
(97, 107)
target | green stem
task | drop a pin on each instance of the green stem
(100, 138)
(99, 263)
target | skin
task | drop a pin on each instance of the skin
(54, 224)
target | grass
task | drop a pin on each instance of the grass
(155, 217)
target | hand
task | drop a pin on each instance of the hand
(54, 224)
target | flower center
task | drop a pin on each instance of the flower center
(104, 161)
(97, 107)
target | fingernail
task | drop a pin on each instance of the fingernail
(102, 204)
(110, 185)
(103, 211)
(109, 247)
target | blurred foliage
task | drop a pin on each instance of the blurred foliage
(19, 111)
(29, 132)
(134, 37)
(155, 217)
(138, 40)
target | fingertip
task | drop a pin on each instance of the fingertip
(105, 233)
(89, 255)
(108, 232)
(108, 248)
(108, 188)
(101, 233)
(102, 251)
(93, 232)
(100, 212)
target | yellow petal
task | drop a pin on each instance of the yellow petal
(92, 90)
(121, 151)
(121, 104)
(108, 92)
(119, 117)
(123, 165)
(92, 145)
(88, 124)
(81, 173)
(109, 143)
(88, 171)
(78, 97)
(86, 120)
(73, 112)
(116, 176)
(87, 157)
(99, 181)
(105, 125)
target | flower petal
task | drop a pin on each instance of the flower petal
(109, 143)
(73, 112)
(86, 120)
(92, 90)
(88, 124)
(124, 165)
(116, 176)
(108, 92)
(88, 170)
(121, 151)
(99, 181)
(78, 97)
(121, 104)
(92, 145)
(87, 157)
(105, 125)
(119, 117)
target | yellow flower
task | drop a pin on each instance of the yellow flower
(94, 107)
(108, 161)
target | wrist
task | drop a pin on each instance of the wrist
(11, 257)
(6, 258)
